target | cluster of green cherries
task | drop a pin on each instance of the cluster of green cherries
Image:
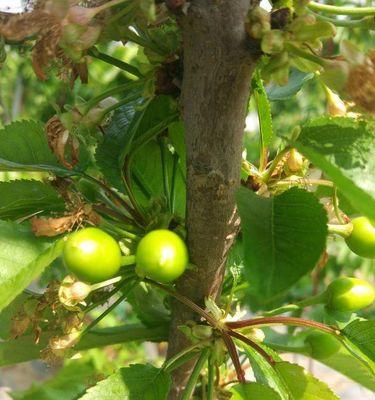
(95, 256)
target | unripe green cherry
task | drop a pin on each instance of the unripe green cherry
(162, 256)
(92, 255)
(323, 345)
(362, 238)
(349, 295)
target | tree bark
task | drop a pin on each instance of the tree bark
(217, 70)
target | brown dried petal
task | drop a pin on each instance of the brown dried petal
(361, 84)
(24, 25)
(52, 226)
(19, 325)
(64, 342)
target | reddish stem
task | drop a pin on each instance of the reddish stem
(254, 345)
(282, 321)
(212, 321)
(234, 356)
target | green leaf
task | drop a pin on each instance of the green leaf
(302, 385)
(264, 110)
(130, 127)
(68, 384)
(254, 391)
(343, 148)
(362, 334)
(351, 367)
(264, 372)
(296, 80)
(24, 147)
(118, 136)
(23, 257)
(137, 382)
(148, 176)
(148, 304)
(360, 341)
(25, 197)
(284, 237)
(156, 117)
(176, 133)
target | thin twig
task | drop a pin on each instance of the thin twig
(234, 356)
(282, 321)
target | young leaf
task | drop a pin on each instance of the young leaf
(24, 147)
(253, 391)
(24, 197)
(302, 385)
(23, 258)
(343, 149)
(296, 80)
(284, 237)
(135, 382)
(69, 383)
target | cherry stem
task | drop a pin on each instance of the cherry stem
(304, 54)
(108, 282)
(341, 230)
(212, 321)
(116, 197)
(335, 200)
(94, 52)
(303, 181)
(340, 10)
(110, 4)
(110, 308)
(282, 321)
(317, 299)
(252, 344)
(279, 156)
(234, 356)
(127, 260)
(169, 365)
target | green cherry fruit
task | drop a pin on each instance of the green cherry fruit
(92, 255)
(162, 256)
(349, 295)
(362, 238)
(323, 345)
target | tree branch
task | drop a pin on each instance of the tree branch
(215, 92)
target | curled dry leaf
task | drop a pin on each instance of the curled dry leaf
(56, 226)
(61, 142)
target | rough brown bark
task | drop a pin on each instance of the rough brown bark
(217, 69)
